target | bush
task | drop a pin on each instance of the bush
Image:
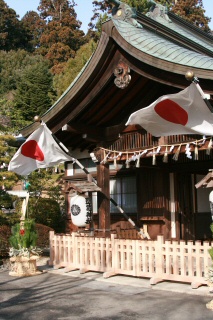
(43, 236)
(47, 212)
(5, 233)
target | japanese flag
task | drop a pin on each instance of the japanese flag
(39, 151)
(182, 113)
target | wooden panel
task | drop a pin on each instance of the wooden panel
(153, 193)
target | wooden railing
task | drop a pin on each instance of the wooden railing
(158, 260)
(140, 140)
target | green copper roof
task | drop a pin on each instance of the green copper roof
(157, 46)
(186, 33)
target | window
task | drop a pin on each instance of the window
(86, 163)
(123, 192)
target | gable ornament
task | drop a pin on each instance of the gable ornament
(122, 11)
(122, 75)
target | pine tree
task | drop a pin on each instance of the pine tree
(24, 235)
(7, 150)
(34, 90)
(62, 36)
(192, 11)
(34, 27)
(12, 33)
(11, 65)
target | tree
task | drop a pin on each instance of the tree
(15, 69)
(34, 27)
(192, 11)
(11, 65)
(73, 67)
(49, 210)
(12, 33)
(106, 8)
(7, 150)
(34, 90)
(62, 36)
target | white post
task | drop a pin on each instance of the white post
(172, 206)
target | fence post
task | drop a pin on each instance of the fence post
(51, 236)
(159, 261)
(111, 273)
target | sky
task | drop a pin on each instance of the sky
(83, 9)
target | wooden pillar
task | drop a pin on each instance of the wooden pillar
(103, 199)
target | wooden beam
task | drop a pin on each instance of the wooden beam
(93, 133)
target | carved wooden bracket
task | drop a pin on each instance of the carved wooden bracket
(122, 75)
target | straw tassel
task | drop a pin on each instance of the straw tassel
(104, 160)
(154, 158)
(138, 161)
(115, 161)
(165, 156)
(208, 151)
(176, 155)
(127, 161)
(196, 152)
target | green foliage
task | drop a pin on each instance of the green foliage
(24, 235)
(47, 212)
(26, 88)
(13, 64)
(211, 228)
(33, 91)
(7, 204)
(211, 253)
(73, 67)
(6, 201)
(5, 233)
(42, 181)
(211, 250)
(42, 237)
(7, 179)
(8, 219)
(61, 36)
(12, 33)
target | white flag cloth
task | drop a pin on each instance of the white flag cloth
(184, 112)
(40, 150)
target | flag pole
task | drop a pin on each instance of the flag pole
(65, 149)
(191, 77)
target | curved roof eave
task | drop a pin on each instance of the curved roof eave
(127, 37)
(90, 70)
(154, 46)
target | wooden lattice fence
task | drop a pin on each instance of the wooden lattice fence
(158, 260)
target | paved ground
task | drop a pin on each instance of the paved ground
(57, 295)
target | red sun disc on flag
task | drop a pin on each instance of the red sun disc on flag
(172, 112)
(32, 150)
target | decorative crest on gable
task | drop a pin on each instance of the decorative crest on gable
(122, 75)
(122, 11)
(158, 12)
